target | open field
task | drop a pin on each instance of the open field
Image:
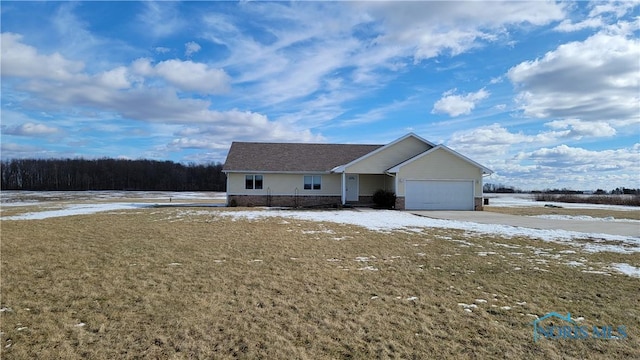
(221, 283)
(610, 199)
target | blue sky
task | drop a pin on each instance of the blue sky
(546, 94)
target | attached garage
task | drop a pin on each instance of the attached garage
(439, 195)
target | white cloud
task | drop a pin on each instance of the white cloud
(579, 129)
(377, 114)
(486, 141)
(617, 8)
(592, 80)
(491, 141)
(579, 160)
(364, 43)
(541, 160)
(22, 60)
(186, 143)
(192, 76)
(569, 26)
(30, 129)
(185, 75)
(191, 48)
(142, 67)
(456, 105)
(243, 125)
(161, 19)
(116, 78)
(429, 29)
(12, 150)
(131, 93)
(162, 49)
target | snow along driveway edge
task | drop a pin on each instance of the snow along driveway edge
(389, 220)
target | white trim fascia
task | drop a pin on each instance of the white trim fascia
(342, 168)
(396, 168)
(276, 172)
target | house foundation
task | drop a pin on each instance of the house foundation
(478, 204)
(283, 200)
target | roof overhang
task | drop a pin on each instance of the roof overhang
(276, 172)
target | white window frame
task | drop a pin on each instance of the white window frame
(316, 180)
(254, 181)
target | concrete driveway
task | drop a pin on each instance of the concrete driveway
(587, 226)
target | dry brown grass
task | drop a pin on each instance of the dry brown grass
(176, 283)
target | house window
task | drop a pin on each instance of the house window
(312, 182)
(253, 182)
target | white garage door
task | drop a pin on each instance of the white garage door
(439, 195)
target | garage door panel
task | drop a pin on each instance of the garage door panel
(439, 195)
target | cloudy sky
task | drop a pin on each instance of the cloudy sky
(544, 93)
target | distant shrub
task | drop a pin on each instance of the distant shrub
(384, 199)
(626, 200)
(233, 203)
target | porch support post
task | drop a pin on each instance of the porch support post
(343, 193)
(227, 188)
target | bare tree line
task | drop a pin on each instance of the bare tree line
(109, 174)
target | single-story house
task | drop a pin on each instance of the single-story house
(421, 174)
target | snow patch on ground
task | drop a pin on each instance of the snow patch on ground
(574, 263)
(390, 220)
(584, 218)
(527, 200)
(368, 268)
(627, 269)
(328, 231)
(27, 198)
(76, 209)
(361, 259)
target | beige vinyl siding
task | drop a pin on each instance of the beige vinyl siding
(440, 165)
(389, 156)
(284, 184)
(370, 183)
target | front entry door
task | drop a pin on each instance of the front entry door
(352, 187)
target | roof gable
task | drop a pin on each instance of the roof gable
(426, 145)
(396, 168)
(292, 157)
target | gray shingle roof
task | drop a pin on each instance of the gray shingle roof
(255, 156)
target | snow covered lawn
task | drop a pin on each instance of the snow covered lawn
(375, 220)
(265, 283)
(389, 220)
